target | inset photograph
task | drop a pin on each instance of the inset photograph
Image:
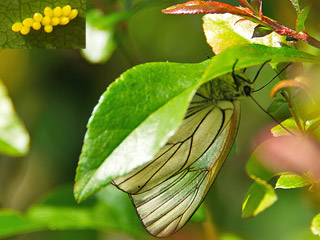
(28, 24)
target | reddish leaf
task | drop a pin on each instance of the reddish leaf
(285, 84)
(245, 3)
(257, 6)
(202, 7)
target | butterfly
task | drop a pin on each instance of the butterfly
(168, 190)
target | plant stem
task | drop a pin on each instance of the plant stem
(293, 108)
(99, 4)
(209, 231)
(282, 30)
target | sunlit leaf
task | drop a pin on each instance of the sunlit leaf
(300, 24)
(260, 196)
(225, 30)
(289, 123)
(14, 138)
(313, 127)
(315, 225)
(71, 35)
(290, 180)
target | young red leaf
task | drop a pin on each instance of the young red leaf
(245, 3)
(256, 6)
(283, 85)
(261, 31)
(202, 7)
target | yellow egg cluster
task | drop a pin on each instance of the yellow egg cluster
(51, 18)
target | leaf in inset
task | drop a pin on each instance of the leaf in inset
(70, 36)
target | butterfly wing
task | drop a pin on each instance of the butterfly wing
(167, 191)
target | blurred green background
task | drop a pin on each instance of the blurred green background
(54, 93)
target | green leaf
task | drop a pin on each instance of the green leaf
(276, 105)
(143, 108)
(71, 35)
(252, 55)
(110, 210)
(14, 138)
(100, 35)
(13, 223)
(289, 123)
(260, 196)
(290, 180)
(225, 30)
(302, 19)
(315, 225)
(255, 169)
(296, 5)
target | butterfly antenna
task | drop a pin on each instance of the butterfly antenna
(271, 116)
(258, 73)
(233, 69)
(273, 78)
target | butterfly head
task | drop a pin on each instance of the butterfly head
(242, 85)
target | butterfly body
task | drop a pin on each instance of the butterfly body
(168, 190)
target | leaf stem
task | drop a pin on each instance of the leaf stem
(99, 4)
(293, 108)
(209, 230)
(282, 30)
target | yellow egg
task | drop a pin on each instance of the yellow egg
(73, 14)
(46, 21)
(37, 17)
(66, 10)
(55, 21)
(28, 22)
(36, 25)
(57, 12)
(25, 30)
(64, 21)
(16, 27)
(48, 28)
(48, 12)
